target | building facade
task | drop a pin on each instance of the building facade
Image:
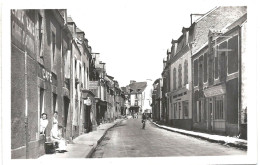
(158, 113)
(37, 80)
(51, 68)
(177, 73)
(217, 81)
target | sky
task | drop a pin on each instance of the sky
(132, 37)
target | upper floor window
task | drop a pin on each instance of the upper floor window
(40, 34)
(216, 64)
(185, 72)
(201, 70)
(222, 61)
(53, 50)
(196, 72)
(180, 76)
(205, 67)
(233, 55)
(174, 78)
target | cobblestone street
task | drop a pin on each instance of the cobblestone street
(127, 139)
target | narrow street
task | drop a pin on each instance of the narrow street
(127, 139)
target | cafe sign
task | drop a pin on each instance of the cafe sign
(46, 75)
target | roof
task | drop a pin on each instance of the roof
(69, 19)
(137, 87)
(79, 31)
(218, 18)
(123, 89)
(238, 22)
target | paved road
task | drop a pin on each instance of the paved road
(127, 139)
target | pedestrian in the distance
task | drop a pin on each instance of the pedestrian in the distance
(144, 117)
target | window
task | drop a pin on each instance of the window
(201, 71)
(175, 110)
(53, 48)
(185, 105)
(180, 76)
(174, 79)
(40, 32)
(179, 110)
(185, 72)
(216, 64)
(80, 78)
(233, 55)
(75, 69)
(54, 103)
(205, 67)
(196, 73)
(222, 61)
(219, 114)
(41, 100)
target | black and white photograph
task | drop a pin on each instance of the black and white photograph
(123, 82)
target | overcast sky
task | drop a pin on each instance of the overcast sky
(132, 37)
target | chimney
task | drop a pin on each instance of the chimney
(194, 17)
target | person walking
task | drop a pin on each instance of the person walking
(144, 117)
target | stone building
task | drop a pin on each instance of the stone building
(37, 78)
(157, 101)
(218, 81)
(51, 68)
(177, 72)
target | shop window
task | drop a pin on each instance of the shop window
(186, 108)
(219, 114)
(200, 111)
(179, 110)
(175, 110)
(196, 73)
(233, 55)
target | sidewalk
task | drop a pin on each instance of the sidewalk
(84, 145)
(226, 140)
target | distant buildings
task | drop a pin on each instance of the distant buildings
(53, 69)
(202, 75)
(139, 97)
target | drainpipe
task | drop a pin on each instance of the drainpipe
(26, 109)
(239, 81)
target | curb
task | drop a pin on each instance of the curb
(240, 146)
(101, 138)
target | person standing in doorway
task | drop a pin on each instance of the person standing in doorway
(55, 120)
(43, 123)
